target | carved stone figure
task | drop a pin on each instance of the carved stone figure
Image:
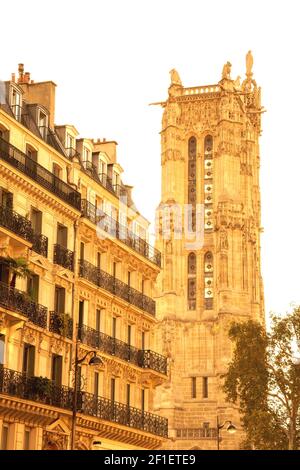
(223, 240)
(175, 79)
(226, 71)
(237, 83)
(249, 64)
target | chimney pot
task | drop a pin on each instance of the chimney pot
(13, 77)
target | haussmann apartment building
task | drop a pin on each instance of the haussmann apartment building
(76, 283)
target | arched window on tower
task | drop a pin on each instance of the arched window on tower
(192, 196)
(192, 284)
(208, 183)
(208, 281)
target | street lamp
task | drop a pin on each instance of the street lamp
(231, 429)
(94, 361)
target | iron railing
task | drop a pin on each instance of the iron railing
(38, 389)
(115, 229)
(40, 244)
(45, 391)
(63, 257)
(22, 227)
(19, 301)
(146, 359)
(61, 323)
(38, 173)
(106, 182)
(109, 410)
(115, 286)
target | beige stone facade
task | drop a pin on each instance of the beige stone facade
(210, 162)
(65, 210)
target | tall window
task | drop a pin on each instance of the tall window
(57, 170)
(208, 281)
(205, 387)
(16, 103)
(208, 183)
(43, 124)
(4, 436)
(36, 220)
(98, 320)
(28, 359)
(56, 369)
(33, 282)
(128, 394)
(192, 154)
(26, 443)
(194, 387)
(62, 235)
(2, 348)
(113, 390)
(59, 299)
(192, 281)
(96, 383)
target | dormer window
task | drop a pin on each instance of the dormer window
(43, 123)
(70, 145)
(102, 167)
(87, 155)
(16, 103)
(116, 179)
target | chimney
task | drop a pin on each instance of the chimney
(21, 73)
(27, 77)
(13, 77)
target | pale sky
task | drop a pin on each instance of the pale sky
(111, 58)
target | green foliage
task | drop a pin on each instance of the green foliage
(264, 381)
(18, 267)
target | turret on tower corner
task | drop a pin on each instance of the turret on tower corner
(210, 170)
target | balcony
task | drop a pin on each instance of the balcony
(21, 226)
(62, 324)
(142, 358)
(38, 173)
(36, 389)
(106, 182)
(115, 229)
(19, 301)
(45, 391)
(116, 287)
(63, 257)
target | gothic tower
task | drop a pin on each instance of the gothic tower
(209, 235)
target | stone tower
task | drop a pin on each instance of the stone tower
(209, 233)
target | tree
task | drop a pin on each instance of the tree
(18, 267)
(264, 380)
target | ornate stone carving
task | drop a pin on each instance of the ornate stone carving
(175, 79)
(226, 71)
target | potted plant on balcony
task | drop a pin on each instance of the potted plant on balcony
(64, 324)
(18, 267)
(39, 387)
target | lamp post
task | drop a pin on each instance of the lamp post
(231, 429)
(94, 361)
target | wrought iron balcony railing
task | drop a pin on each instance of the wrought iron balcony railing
(121, 232)
(45, 391)
(196, 433)
(146, 359)
(38, 173)
(109, 410)
(63, 257)
(38, 389)
(22, 227)
(106, 182)
(40, 244)
(19, 301)
(115, 286)
(62, 324)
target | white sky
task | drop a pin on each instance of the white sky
(111, 58)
